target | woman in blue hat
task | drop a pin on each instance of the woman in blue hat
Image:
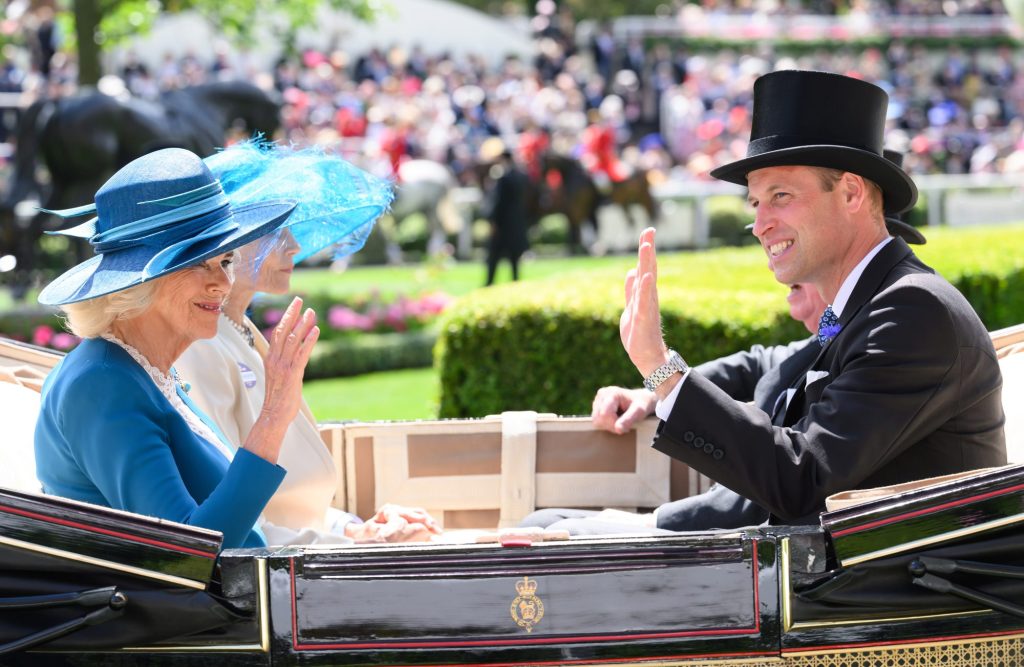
(338, 205)
(116, 427)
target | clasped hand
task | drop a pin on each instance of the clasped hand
(395, 523)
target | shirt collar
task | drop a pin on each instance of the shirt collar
(846, 289)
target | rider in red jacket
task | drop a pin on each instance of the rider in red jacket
(599, 151)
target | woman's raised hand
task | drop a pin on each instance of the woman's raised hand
(290, 346)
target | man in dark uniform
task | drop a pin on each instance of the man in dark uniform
(506, 209)
(905, 383)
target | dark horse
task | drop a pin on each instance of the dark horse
(578, 197)
(83, 139)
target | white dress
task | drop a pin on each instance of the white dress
(228, 383)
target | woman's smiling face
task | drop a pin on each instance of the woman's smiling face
(188, 302)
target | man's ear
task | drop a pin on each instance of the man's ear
(855, 191)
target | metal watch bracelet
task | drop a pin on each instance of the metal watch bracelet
(675, 364)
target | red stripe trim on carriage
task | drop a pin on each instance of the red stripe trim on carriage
(920, 640)
(105, 531)
(520, 641)
(928, 510)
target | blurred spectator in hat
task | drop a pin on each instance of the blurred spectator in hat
(894, 221)
(45, 41)
(506, 209)
(602, 49)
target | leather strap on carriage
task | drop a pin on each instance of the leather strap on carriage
(923, 570)
(518, 466)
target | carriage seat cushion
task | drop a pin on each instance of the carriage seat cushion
(1012, 366)
(19, 408)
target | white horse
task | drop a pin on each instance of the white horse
(425, 187)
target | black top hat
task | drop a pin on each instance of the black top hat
(819, 119)
(893, 222)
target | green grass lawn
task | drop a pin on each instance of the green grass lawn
(406, 394)
(453, 278)
(412, 394)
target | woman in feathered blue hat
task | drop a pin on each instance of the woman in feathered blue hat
(116, 428)
(338, 205)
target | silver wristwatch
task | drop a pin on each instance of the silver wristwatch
(675, 364)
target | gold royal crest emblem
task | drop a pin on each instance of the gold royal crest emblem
(527, 609)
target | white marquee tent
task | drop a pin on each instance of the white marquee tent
(435, 25)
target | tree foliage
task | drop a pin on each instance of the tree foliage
(100, 24)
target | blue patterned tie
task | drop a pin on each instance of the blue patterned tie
(828, 326)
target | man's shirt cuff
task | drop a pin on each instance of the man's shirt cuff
(663, 408)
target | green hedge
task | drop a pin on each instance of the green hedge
(369, 353)
(548, 346)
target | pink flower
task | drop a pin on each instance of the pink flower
(340, 317)
(346, 319)
(394, 317)
(272, 316)
(65, 341)
(42, 335)
(435, 302)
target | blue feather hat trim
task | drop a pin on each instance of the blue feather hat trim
(338, 203)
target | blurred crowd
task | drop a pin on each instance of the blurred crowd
(874, 7)
(660, 107)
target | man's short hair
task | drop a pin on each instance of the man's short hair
(829, 177)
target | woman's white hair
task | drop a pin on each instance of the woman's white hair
(91, 318)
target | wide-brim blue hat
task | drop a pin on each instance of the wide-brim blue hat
(159, 213)
(821, 119)
(338, 203)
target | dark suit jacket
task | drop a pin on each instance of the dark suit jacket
(908, 389)
(761, 375)
(506, 209)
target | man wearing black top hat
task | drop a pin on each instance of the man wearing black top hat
(506, 209)
(905, 384)
(759, 375)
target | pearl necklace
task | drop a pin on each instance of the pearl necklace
(242, 329)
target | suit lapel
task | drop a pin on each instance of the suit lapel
(869, 283)
(783, 377)
(871, 280)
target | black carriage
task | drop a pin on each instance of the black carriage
(931, 573)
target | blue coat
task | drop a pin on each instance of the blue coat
(106, 435)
